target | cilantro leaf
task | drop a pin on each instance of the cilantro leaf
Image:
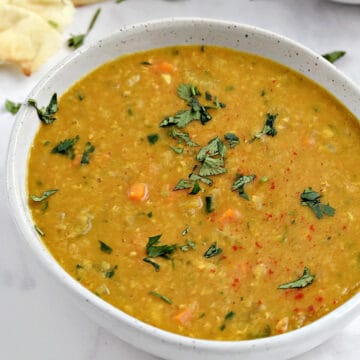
(213, 250)
(311, 198)
(66, 147)
(12, 107)
(212, 166)
(177, 150)
(180, 119)
(76, 41)
(184, 184)
(208, 204)
(162, 297)
(268, 128)
(196, 177)
(215, 147)
(155, 265)
(181, 136)
(111, 272)
(153, 138)
(153, 250)
(333, 56)
(105, 248)
(189, 245)
(46, 114)
(305, 280)
(232, 139)
(240, 182)
(196, 188)
(187, 91)
(88, 150)
(44, 195)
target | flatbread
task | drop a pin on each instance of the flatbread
(59, 13)
(85, 2)
(26, 39)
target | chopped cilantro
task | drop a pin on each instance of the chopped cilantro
(185, 231)
(183, 184)
(39, 231)
(177, 150)
(111, 272)
(215, 147)
(44, 195)
(268, 128)
(153, 250)
(162, 297)
(213, 250)
(208, 204)
(333, 56)
(305, 280)
(311, 198)
(189, 245)
(153, 138)
(232, 139)
(12, 107)
(181, 136)
(229, 315)
(105, 248)
(196, 188)
(153, 263)
(88, 150)
(240, 182)
(66, 147)
(196, 177)
(75, 41)
(46, 114)
(149, 214)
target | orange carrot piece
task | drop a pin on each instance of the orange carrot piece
(138, 192)
(186, 314)
(229, 215)
(164, 67)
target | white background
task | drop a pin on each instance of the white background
(36, 320)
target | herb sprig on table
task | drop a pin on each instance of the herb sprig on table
(334, 56)
(75, 41)
(12, 107)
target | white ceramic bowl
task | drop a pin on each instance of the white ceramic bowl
(152, 35)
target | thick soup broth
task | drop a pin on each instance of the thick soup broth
(263, 238)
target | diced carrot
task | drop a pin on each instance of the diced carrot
(138, 192)
(164, 67)
(229, 215)
(186, 314)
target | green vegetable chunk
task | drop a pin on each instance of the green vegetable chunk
(46, 114)
(305, 280)
(311, 198)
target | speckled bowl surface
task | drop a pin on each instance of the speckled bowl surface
(146, 36)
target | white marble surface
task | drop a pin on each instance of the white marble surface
(36, 320)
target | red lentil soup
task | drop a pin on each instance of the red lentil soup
(205, 191)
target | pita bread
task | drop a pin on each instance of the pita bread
(59, 13)
(85, 2)
(26, 39)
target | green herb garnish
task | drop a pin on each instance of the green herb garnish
(311, 198)
(196, 177)
(189, 245)
(153, 263)
(268, 128)
(152, 138)
(39, 231)
(181, 136)
(177, 150)
(105, 248)
(44, 195)
(46, 114)
(184, 184)
(76, 41)
(185, 231)
(88, 150)
(196, 188)
(305, 280)
(208, 204)
(162, 297)
(153, 250)
(197, 111)
(12, 107)
(213, 250)
(66, 147)
(232, 139)
(229, 315)
(333, 56)
(111, 272)
(240, 182)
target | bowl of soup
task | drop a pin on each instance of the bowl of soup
(192, 185)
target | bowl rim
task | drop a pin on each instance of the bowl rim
(49, 263)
